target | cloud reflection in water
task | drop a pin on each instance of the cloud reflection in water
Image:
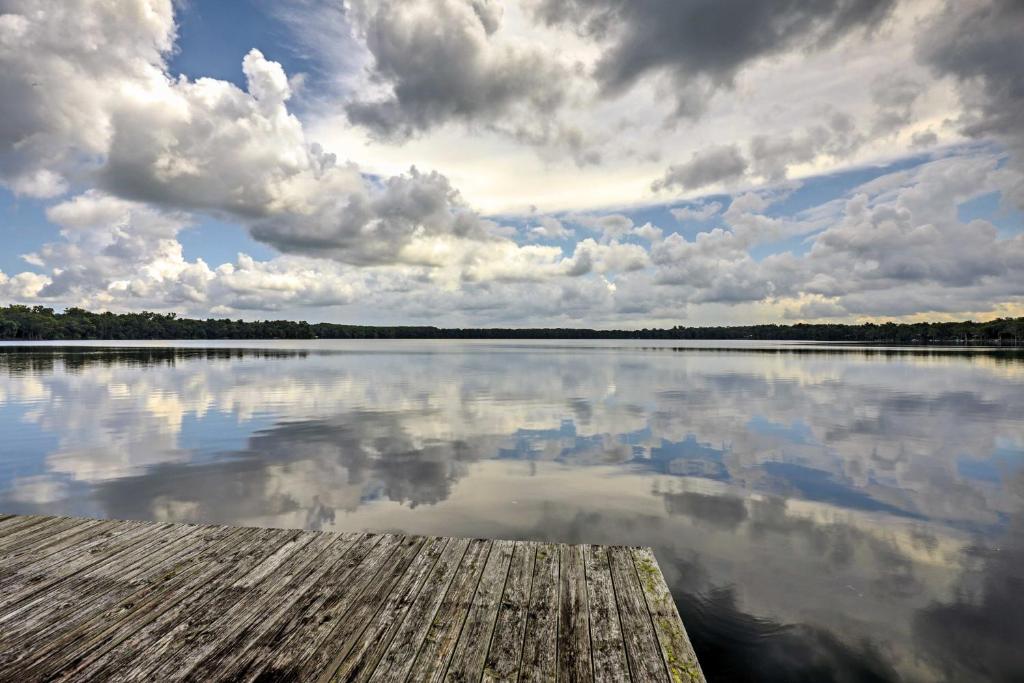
(820, 515)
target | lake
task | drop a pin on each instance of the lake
(820, 512)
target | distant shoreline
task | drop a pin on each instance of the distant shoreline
(39, 323)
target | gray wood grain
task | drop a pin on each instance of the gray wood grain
(17, 522)
(32, 584)
(676, 649)
(28, 552)
(290, 637)
(163, 623)
(436, 650)
(506, 646)
(136, 606)
(129, 601)
(38, 602)
(350, 611)
(202, 640)
(398, 658)
(467, 662)
(54, 628)
(540, 647)
(607, 649)
(358, 664)
(12, 543)
(642, 647)
(573, 617)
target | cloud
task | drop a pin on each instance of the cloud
(549, 228)
(65, 66)
(978, 44)
(590, 256)
(707, 167)
(771, 156)
(923, 139)
(698, 212)
(894, 96)
(701, 46)
(98, 108)
(895, 246)
(208, 146)
(899, 245)
(611, 226)
(118, 253)
(442, 61)
(815, 309)
(648, 231)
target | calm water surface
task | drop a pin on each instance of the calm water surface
(819, 514)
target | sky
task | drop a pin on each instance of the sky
(595, 163)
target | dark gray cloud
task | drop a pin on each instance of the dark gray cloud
(894, 96)
(702, 44)
(440, 64)
(709, 166)
(979, 44)
(769, 157)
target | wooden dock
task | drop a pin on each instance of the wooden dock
(85, 599)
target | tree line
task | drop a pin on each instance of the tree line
(36, 323)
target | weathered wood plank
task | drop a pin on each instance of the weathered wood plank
(21, 521)
(53, 558)
(540, 647)
(676, 649)
(160, 625)
(34, 620)
(15, 522)
(56, 598)
(358, 664)
(128, 601)
(506, 647)
(573, 619)
(11, 543)
(124, 606)
(436, 650)
(397, 660)
(74, 537)
(23, 588)
(642, 647)
(226, 602)
(321, 612)
(281, 648)
(286, 637)
(79, 626)
(607, 648)
(335, 638)
(467, 662)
